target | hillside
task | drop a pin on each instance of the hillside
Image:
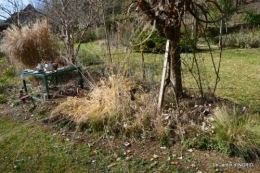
(251, 5)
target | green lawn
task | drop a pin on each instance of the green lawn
(239, 72)
(239, 75)
(31, 149)
(28, 148)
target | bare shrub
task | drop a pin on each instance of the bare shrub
(29, 46)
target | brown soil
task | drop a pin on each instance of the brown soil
(147, 149)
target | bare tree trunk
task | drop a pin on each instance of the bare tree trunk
(175, 63)
(70, 45)
(172, 33)
(220, 33)
(107, 37)
(173, 59)
(143, 66)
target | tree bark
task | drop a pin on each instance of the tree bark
(175, 62)
(171, 32)
(70, 45)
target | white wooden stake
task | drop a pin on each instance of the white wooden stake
(163, 78)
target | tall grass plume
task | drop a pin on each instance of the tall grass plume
(29, 46)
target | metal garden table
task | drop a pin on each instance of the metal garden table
(45, 75)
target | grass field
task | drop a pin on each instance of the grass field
(25, 148)
(239, 71)
(239, 76)
(29, 148)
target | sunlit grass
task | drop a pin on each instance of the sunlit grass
(25, 148)
(129, 60)
(239, 71)
(28, 148)
(239, 75)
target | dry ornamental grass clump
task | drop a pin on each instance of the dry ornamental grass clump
(29, 46)
(110, 106)
(239, 134)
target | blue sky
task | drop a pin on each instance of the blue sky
(25, 2)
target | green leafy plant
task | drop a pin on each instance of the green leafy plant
(166, 140)
(2, 99)
(252, 18)
(89, 58)
(9, 71)
(155, 43)
(88, 36)
(186, 143)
